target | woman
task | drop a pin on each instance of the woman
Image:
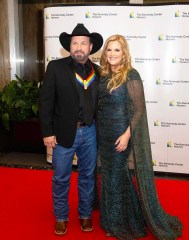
(127, 208)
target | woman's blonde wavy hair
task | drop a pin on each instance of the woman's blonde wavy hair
(118, 77)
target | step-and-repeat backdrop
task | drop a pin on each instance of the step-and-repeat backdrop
(158, 37)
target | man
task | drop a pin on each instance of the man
(68, 102)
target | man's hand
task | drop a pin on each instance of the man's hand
(50, 141)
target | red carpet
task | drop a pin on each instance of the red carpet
(26, 206)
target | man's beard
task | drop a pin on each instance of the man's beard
(79, 57)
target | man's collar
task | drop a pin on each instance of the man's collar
(87, 63)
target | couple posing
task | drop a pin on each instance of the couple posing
(79, 98)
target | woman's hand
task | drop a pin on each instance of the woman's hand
(50, 141)
(122, 142)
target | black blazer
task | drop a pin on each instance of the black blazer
(59, 101)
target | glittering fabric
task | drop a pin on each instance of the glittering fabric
(129, 203)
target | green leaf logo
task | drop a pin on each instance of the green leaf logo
(172, 103)
(47, 16)
(87, 15)
(177, 14)
(158, 81)
(132, 15)
(161, 37)
(156, 123)
(174, 60)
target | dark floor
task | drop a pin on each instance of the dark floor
(39, 161)
(25, 160)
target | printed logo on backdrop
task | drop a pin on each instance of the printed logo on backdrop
(170, 144)
(47, 16)
(181, 14)
(146, 60)
(158, 81)
(87, 15)
(171, 82)
(100, 14)
(95, 58)
(143, 15)
(50, 37)
(157, 123)
(167, 164)
(154, 162)
(174, 103)
(135, 37)
(179, 60)
(49, 58)
(57, 15)
(157, 163)
(166, 37)
(151, 102)
(177, 13)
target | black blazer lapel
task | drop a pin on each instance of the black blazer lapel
(72, 74)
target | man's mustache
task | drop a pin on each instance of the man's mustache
(79, 52)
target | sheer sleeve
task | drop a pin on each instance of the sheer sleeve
(162, 225)
(136, 96)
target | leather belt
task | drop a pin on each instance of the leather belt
(81, 124)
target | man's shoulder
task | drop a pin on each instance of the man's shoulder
(59, 62)
(95, 66)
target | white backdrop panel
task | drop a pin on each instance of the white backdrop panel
(158, 37)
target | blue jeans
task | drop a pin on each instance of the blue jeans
(85, 147)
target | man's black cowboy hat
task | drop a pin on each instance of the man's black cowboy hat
(80, 30)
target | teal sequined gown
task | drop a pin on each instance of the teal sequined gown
(128, 204)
